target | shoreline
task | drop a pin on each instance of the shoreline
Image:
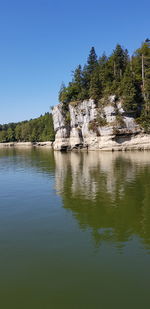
(140, 142)
(47, 144)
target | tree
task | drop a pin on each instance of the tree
(38, 129)
(62, 94)
(106, 74)
(141, 68)
(117, 74)
(77, 76)
(34, 135)
(25, 132)
(120, 59)
(95, 90)
(3, 136)
(87, 72)
(18, 132)
(10, 135)
(146, 74)
(85, 84)
(129, 91)
(92, 61)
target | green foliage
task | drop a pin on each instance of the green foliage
(10, 134)
(120, 61)
(129, 91)
(78, 89)
(64, 96)
(101, 121)
(74, 103)
(18, 132)
(117, 74)
(144, 122)
(95, 90)
(98, 122)
(39, 129)
(67, 118)
(92, 61)
(120, 121)
(3, 136)
(146, 54)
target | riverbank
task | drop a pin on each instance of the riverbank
(123, 143)
(139, 142)
(47, 144)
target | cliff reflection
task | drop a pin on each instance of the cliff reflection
(107, 193)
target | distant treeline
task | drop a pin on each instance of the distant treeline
(34, 130)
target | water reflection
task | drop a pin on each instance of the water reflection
(62, 216)
(39, 159)
(107, 193)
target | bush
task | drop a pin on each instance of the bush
(119, 121)
(144, 122)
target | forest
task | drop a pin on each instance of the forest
(35, 130)
(128, 77)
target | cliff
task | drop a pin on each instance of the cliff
(106, 127)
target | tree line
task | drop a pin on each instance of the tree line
(125, 76)
(34, 130)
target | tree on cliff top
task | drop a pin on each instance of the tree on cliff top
(91, 61)
(117, 74)
(119, 60)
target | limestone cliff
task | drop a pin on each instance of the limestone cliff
(88, 126)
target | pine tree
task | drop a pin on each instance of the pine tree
(92, 61)
(129, 91)
(78, 82)
(120, 59)
(116, 74)
(106, 74)
(85, 84)
(95, 90)
(77, 77)
(87, 72)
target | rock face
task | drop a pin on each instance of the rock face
(91, 127)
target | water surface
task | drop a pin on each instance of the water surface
(74, 229)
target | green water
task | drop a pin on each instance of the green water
(74, 230)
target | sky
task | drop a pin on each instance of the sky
(43, 41)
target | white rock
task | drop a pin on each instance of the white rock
(58, 118)
(109, 111)
(112, 98)
(79, 132)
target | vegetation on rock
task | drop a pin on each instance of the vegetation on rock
(119, 74)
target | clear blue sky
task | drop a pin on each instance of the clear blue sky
(42, 41)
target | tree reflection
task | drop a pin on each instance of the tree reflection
(107, 193)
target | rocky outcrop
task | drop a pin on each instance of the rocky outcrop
(91, 127)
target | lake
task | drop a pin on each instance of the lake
(74, 229)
